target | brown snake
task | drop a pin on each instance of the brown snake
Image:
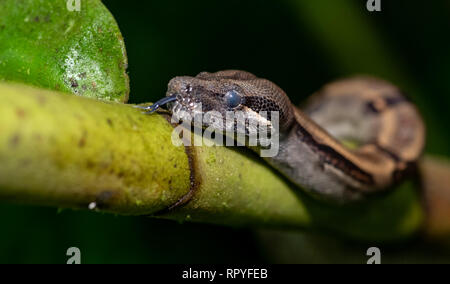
(387, 127)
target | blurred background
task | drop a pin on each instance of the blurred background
(300, 45)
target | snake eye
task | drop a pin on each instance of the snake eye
(232, 98)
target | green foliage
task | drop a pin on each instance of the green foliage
(44, 44)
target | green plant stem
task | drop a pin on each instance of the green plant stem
(68, 151)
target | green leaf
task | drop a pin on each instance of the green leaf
(43, 43)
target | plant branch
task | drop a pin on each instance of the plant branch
(68, 151)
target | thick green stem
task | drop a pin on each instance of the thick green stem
(69, 151)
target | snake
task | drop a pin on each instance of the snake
(354, 138)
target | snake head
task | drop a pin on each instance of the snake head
(217, 96)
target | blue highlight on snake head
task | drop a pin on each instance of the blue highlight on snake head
(232, 99)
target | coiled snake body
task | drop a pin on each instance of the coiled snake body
(374, 113)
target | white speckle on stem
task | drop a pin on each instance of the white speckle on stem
(92, 205)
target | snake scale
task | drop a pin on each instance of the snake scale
(386, 127)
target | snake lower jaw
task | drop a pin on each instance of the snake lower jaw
(185, 111)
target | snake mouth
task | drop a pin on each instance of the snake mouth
(184, 107)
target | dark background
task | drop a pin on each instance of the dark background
(300, 45)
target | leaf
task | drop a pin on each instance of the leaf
(43, 43)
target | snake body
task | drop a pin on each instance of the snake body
(387, 128)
